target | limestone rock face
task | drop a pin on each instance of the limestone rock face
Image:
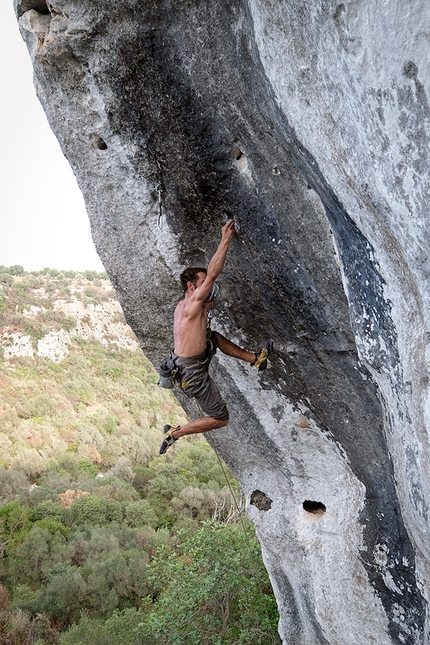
(309, 123)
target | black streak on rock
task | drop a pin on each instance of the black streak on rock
(193, 110)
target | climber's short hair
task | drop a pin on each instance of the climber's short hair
(190, 275)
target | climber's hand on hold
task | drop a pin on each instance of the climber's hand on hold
(227, 231)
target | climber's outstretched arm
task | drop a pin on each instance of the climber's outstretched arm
(201, 292)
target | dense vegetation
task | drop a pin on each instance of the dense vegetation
(102, 542)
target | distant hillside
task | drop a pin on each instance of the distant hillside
(73, 378)
(102, 541)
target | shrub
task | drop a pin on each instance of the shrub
(48, 509)
(52, 526)
(115, 488)
(6, 278)
(140, 513)
(122, 470)
(16, 269)
(86, 468)
(57, 319)
(119, 629)
(18, 627)
(11, 483)
(14, 526)
(22, 593)
(69, 462)
(96, 511)
(38, 405)
(80, 390)
(213, 588)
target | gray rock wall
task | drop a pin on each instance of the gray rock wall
(307, 122)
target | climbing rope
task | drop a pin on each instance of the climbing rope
(236, 503)
(160, 203)
(240, 514)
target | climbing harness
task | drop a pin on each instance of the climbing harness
(170, 370)
(169, 373)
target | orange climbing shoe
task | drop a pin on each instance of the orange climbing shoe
(262, 355)
(169, 439)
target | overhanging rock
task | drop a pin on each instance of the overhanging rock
(307, 122)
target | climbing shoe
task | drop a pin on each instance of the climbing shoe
(262, 355)
(168, 440)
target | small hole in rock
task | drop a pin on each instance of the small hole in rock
(339, 11)
(261, 500)
(316, 508)
(237, 153)
(410, 70)
(38, 5)
(98, 142)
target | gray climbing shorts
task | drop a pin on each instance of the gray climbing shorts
(195, 382)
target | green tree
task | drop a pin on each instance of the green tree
(212, 589)
(140, 513)
(60, 597)
(119, 629)
(52, 526)
(96, 510)
(36, 554)
(49, 509)
(14, 526)
(16, 269)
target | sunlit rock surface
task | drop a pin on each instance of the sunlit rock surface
(307, 122)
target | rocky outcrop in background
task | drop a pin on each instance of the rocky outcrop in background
(94, 320)
(307, 122)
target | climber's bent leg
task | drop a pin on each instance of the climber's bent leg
(212, 405)
(259, 359)
(231, 349)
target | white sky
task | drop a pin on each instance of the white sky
(43, 222)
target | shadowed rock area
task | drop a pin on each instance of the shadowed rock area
(309, 125)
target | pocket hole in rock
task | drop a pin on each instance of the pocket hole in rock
(261, 500)
(38, 5)
(316, 508)
(98, 142)
(237, 153)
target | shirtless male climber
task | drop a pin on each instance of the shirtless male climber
(195, 346)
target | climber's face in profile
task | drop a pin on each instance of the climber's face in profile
(199, 280)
